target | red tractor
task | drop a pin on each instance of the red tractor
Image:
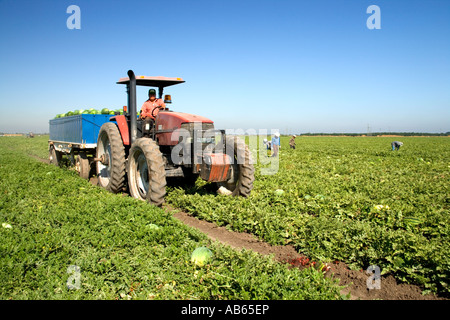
(137, 155)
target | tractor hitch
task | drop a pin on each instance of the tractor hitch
(103, 159)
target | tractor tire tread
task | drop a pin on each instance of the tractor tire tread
(118, 168)
(155, 163)
(246, 169)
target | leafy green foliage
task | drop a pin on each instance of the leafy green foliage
(124, 248)
(348, 199)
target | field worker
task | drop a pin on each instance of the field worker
(267, 144)
(151, 104)
(275, 144)
(396, 145)
(292, 142)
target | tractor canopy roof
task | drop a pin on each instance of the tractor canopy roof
(152, 81)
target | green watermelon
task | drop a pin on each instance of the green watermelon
(412, 221)
(105, 111)
(153, 226)
(320, 197)
(201, 256)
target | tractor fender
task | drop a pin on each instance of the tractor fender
(123, 128)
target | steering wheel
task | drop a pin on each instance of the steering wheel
(158, 108)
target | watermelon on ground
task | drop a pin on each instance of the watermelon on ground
(201, 256)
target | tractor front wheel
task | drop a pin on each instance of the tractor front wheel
(242, 175)
(146, 172)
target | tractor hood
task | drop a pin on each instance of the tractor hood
(177, 118)
(167, 123)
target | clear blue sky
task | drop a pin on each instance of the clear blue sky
(297, 66)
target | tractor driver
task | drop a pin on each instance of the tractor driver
(151, 107)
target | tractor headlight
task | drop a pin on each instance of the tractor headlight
(206, 139)
(191, 126)
(199, 132)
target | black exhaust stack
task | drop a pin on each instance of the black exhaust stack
(132, 106)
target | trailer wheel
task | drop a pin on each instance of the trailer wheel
(242, 170)
(82, 165)
(111, 167)
(54, 156)
(146, 172)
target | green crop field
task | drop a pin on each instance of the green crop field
(63, 238)
(348, 199)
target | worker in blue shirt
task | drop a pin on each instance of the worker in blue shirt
(396, 145)
(275, 144)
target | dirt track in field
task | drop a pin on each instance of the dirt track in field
(355, 281)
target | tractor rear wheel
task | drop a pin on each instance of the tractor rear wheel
(111, 167)
(242, 169)
(54, 156)
(146, 172)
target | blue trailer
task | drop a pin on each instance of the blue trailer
(76, 137)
